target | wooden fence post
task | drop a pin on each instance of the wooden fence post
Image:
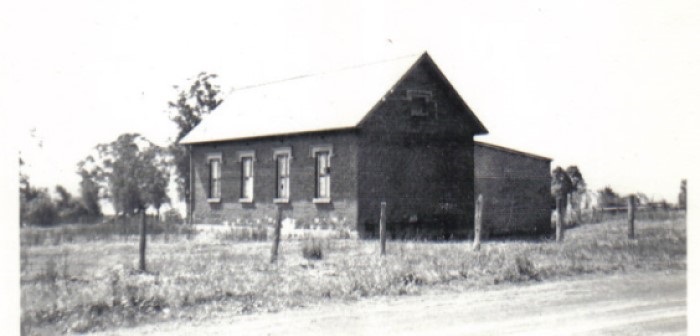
(278, 233)
(142, 243)
(382, 228)
(477, 222)
(631, 207)
(560, 219)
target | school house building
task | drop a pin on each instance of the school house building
(327, 149)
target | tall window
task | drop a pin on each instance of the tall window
(323, 174)
(214, 193)
(247, 160)
(282, 157)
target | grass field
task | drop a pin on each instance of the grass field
(80, 284)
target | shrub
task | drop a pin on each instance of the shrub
(41, 211)
(312, 249)
(525, 267)
(172, 216)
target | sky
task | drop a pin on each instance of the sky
(610, 86)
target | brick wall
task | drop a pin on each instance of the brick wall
(340, 212)
(515, 189)
(422, 166)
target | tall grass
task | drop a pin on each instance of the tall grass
(111, 231)
(193, 279)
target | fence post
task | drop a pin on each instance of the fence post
(630, 216)
(278, 233)
(142, 243)
(477, 222)
(382, 228)
(560, 219)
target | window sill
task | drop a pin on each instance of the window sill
(214, 200)
(245, 200)
(321, 200)
(280, 200)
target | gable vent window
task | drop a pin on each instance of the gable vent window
(421, 102)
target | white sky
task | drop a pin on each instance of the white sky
(611, 86)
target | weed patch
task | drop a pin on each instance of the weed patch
(92, 285)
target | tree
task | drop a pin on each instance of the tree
(40, 210)
(186, 112)
(682, 195)
(561, 187)
(35, 204)
(578, 190)
(131, 171)
(69, 209)
(134, 174)
(609, 198)
(89, 193)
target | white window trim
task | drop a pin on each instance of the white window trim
(210, 157)
(282, 150)
(275, 153)
(247, 154)
(322, 148)
(321, 200)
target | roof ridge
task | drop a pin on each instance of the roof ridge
(324, 72)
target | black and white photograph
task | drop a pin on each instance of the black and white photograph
(348, 168)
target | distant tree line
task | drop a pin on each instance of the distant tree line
(131, 172)
(39, 208)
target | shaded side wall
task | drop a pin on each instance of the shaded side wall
(516, 191)
(421, 166)
(341, 212)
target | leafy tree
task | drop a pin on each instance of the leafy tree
(192, 103)
(68, 208)
(134, 174)
(131, 171)
(682, 195)
(578, 184)
(89, 193)
(561, 187)
(578, 191)
(40, 209)
(33, 214)
(609, 198)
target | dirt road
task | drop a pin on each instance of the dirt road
(630, 304)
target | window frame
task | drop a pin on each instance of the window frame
(243, 156)
(214, 157)
(315, 150)
(276, 154)
(413, 97)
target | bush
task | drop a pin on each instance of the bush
(172, 216)
(312, 249)
(41, 211)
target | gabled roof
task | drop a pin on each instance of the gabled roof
(511, 151)
(321, 102)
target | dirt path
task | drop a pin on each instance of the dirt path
(643, 303)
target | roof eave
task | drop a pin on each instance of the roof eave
(257, 137)
(512, 151)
